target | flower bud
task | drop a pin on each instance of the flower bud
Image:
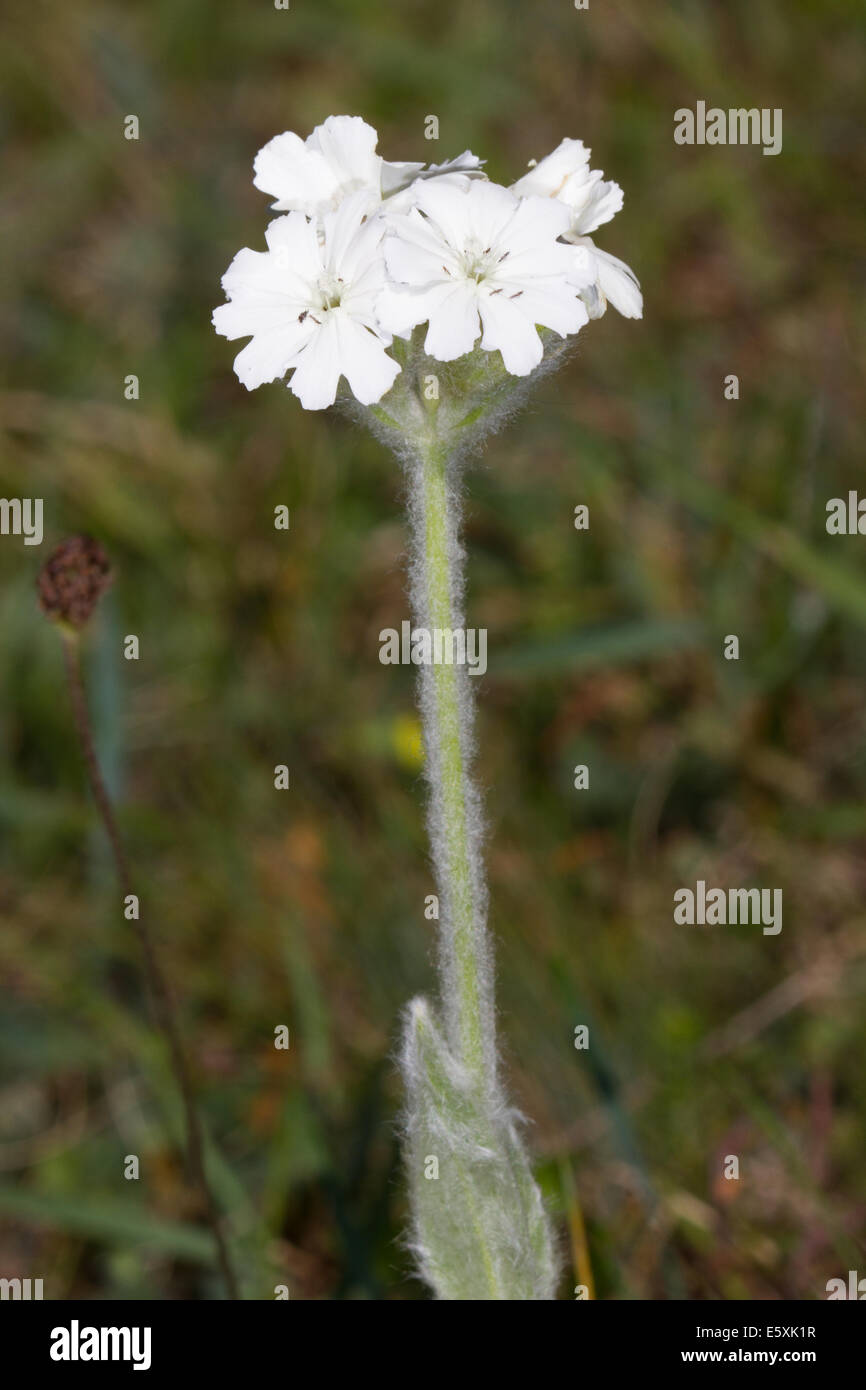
(72, 581)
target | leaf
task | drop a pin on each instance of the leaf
(611, 645)
(110, 1219)
(480, 1230)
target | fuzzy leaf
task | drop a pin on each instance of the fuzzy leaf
(479, 1227)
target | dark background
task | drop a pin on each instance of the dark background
(261, 647)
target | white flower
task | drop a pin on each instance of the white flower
(481, 253)
(614, 281)
(401, 183)
(309, 304)
(566, 176)
(338, 159)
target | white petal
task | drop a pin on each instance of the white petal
(546, 180)
(267, 356)
(295, 248)
(453, 324)
(317, 368)
(582, 271)
(244, 317)
(251, 272)
(295, 175)
(544, 260)
(596, 304)
(507, 329)
(362, 296)
(416, 253)
(397, 175)
(553, 304)
(619, 284)
(348, 145)
(536, 221)
(447, 206)
(400, 309)
(465, 163)
(363, 360)
(411, 264)
(597, 205)
(492, 209)
(351, 240)
(406, 198)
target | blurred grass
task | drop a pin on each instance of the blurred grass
(605, 647)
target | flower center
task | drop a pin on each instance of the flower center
(477, 262)
(330, 288)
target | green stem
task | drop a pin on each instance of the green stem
(446, 707)
(481, 1233)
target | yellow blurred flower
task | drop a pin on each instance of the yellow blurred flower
(407, 742)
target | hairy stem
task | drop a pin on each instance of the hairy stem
(479, 1230)
(455, 813)
(160, 993)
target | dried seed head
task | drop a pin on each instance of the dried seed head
(72, 580)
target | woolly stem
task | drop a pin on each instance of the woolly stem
(447, 716)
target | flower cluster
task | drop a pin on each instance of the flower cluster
(366, 250)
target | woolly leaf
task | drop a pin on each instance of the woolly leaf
(480, 1231)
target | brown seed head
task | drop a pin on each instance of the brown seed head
(73, 579)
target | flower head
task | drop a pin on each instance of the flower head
(481, 260)
(73, 580)
(308, 304)
(337, 160)
(565, 175)
(367, 249)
